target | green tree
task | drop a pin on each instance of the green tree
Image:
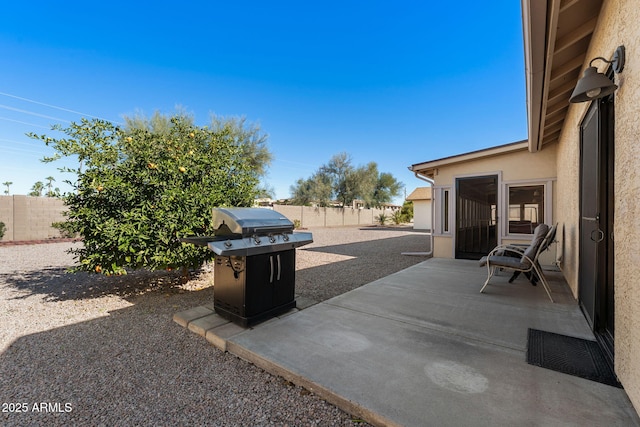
(7, 184)
(36, 190)
(316, 189)
(141, 188)
(339, 179)
(340, 173)
(407, 211)
(266, 191)
(248, 137)
(386, 188)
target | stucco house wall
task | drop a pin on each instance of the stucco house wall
(421, 198)
(512, 167)
(422, 214)
(617, 25)
(520, 165)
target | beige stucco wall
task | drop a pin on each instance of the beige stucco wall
(422, 214)
(617, 25)
(442, 246)
(516, 166)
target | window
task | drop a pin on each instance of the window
(526, 208)
(445, 211)
(442, 210)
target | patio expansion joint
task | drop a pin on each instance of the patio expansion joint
(448, 333)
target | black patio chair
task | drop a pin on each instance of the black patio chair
(520, 259)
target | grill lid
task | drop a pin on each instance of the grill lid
(249, 221)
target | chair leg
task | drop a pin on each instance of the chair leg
(543, 279)
(514, 276)
(490, 271)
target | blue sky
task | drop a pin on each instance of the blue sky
(396, 83)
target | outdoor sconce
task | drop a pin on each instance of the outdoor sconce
(594, 85)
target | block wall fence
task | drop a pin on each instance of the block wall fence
(30, 218)
(330, 217)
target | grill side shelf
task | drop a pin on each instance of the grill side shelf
(202, 240)
(247, 246)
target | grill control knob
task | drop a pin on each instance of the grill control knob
(228, 244)
(256, 239)
(272, 239)
(285, 237)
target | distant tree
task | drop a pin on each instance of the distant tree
(387, 187)
(36, 190)
(316, 189)
(302, 192)
(248, 137)
(340, 173)
(405, 214)
(339, 179)
(7, 184)
(407, 211)
(50, 192)
(266, 192)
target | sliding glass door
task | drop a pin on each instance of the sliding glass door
(476, 216)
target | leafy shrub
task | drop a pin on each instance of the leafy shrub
(407, 211)
(65, 229)
(382, 219)
(140, 190)
(398, 217)
(2, 229)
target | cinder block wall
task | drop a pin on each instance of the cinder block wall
(329, 217)
(30, 218)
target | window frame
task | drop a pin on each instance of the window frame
(443, 226)
(547, 185)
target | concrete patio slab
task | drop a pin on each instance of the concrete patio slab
(424, 347)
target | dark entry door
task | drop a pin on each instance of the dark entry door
(476, 216)
(596, 285)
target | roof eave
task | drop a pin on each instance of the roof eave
(425, 167)
(534, 18)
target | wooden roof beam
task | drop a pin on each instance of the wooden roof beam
(568, 67)
(576, 35)
(566, 4)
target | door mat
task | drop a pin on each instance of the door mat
(569, 355)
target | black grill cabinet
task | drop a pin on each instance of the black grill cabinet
(254, 266)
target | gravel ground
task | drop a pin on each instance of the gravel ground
(80, 349)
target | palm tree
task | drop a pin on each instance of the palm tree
(7, 183)
(50, 179)
(37, 188)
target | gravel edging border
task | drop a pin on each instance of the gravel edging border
(38, 242)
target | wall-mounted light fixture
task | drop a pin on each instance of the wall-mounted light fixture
(594, 85)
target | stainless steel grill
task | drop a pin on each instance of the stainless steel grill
(254, 263)
(253, 231)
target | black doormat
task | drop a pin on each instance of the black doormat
(569, 355)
